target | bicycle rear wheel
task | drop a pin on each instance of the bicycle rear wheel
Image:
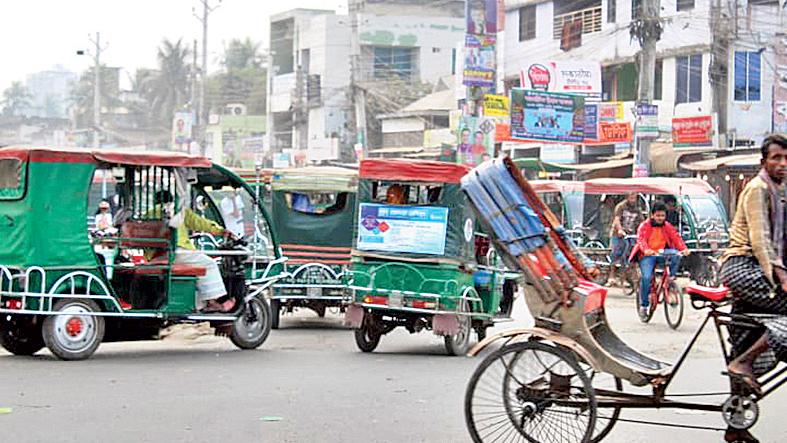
(673, 305)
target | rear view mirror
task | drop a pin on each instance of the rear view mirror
(191, 177)
(119, 174)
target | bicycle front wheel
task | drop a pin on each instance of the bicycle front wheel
(673, 305)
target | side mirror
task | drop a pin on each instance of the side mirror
(119, 174)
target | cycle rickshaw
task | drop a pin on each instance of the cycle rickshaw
(562, 380)
(418, 260)
(313, 211)
(68, 290)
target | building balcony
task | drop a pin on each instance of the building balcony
(591, 19)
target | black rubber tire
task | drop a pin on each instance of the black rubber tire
(21, 335)
(366, 340)
(519, 348)
(675, 311)
(275, 313)
(481, 332)
(245, 337)
(52, 330)
(631, 281)
(321, 311)
(456, 345)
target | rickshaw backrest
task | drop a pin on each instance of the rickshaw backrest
(145, 234)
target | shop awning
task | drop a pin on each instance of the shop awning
(741, 161)
(664, 158)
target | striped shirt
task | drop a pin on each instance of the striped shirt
(750, 233)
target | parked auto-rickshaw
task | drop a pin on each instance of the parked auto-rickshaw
(69, 289)
(587, 208)
(418, 260)
(313, 210)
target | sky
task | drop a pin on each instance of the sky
(36, 35)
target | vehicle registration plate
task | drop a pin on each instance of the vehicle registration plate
(314, 292)
(395, 301)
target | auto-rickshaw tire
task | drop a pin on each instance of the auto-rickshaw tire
(365, 339)
(247, 343)
(454, 348)
(21, 335)
(55, 325)
(481, 332)
(275, 313)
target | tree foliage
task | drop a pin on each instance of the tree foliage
(243, 79)
(15, 98)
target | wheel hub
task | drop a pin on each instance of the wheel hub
(74, 326)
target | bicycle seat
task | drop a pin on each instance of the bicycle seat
(710, 294)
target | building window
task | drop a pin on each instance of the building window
(611, 7)
(688, 79)
(685, 5)
(658, 80)
(394, 61)
(527, 23)
(747, 76)
(636, 9)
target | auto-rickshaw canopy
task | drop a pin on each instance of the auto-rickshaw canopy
(316, 178)
(413, 171)
(649, 185)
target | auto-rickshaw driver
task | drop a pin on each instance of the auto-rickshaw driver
(211, 292)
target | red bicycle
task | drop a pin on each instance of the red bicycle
(664, 290)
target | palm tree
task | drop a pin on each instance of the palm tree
(242, 54)
(81, 96)
(168, 91)
(15, 99)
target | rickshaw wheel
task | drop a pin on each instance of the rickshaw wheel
(367, 337)
(73, 336)
(673, 306)
(459, 343)
(275, 313)
(251, 328)
(21, 335)
(544, 396)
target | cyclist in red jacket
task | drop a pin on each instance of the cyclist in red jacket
(654, 236)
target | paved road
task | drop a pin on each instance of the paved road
(311, 377)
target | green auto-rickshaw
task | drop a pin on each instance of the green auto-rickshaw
(313, 211)
(68, 286)
(418, 259)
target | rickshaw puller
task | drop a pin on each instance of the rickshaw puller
(626, 218)
(210, 287)
(653, 235)
(754, 266)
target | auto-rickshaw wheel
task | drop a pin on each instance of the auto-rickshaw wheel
(459, 343)
(71, 336)
(275, 313)
(367, 337)
(251, 328)
(21, 335)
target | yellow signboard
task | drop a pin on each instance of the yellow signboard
(496, 106)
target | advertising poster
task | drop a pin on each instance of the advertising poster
(480, 61)
(496, 106)
(547, 116)
(610, 112)
(614, 132)
(181, 131)
(591, 122)
(408, 229)
(647, 121)
(482, 17)
(476, 140)
(692, 131)
(569, 77)
(780, 85)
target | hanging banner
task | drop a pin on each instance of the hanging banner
(610, 112)
(692, 131)
(482, 17)
(591, 122)
(618, 132)
(647, 121)
(547, 116)
(570, 77)
(408, 229)
(496, 106)
(476, 141)
(480, 62)
(780, 85)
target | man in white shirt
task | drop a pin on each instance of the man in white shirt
(232, 211)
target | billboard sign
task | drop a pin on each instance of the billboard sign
(569, 77)
(547, 116)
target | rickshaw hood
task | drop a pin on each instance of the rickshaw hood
(413, 170)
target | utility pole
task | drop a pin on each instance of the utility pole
(359, 97)
(194, 77)
(202, 113)
(647, 30)
(719, 67)
(96, 52)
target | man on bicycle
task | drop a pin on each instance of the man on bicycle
(654, 236)
(626, 217)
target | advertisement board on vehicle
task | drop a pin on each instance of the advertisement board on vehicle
(547, 116)
(406, 229)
